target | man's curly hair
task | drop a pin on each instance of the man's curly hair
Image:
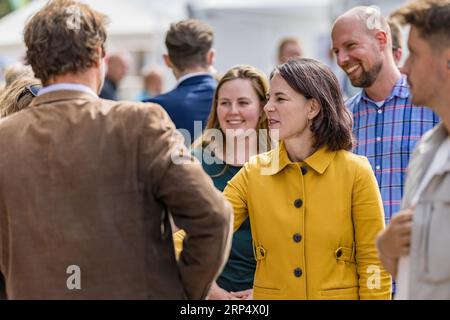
(64, 37)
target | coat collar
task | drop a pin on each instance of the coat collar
(433, 139)
(400, 90)
(278, 159)
(195, 79)
(61, 95)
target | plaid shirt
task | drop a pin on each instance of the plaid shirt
(387, 136)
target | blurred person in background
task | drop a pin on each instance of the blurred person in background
(117, 68)
(153, 82)
(397, 39)
(414, 248)
(289, 48)
(190, 57)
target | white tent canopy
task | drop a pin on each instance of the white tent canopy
(132, 23)
(285, 7)
(249, 31)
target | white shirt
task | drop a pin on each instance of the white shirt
(380, 103)
(67, 86)
(440, 159)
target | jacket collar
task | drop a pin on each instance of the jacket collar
(61, 95)
(195, 79)
(400, 90)
(433, 139)
(279, 159)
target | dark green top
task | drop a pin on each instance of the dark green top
(240, 268)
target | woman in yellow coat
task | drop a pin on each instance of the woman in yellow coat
(314, 206)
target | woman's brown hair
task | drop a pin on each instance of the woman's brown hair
(332, 127)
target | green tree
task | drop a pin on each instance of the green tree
(5, 7)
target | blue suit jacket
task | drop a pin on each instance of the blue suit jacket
(190, 101)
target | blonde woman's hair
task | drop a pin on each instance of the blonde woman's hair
(16, 96)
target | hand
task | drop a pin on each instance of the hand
(217, 293)
(243, 295)
(395, 240)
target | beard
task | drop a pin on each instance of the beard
(367, 78)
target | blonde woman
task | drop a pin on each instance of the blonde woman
(235, 131)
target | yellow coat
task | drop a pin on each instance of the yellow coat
(313, 224)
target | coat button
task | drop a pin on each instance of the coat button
(261, 251)
(339, 253)
(304, 170)
(298, 272)
(297, 237)
(298, 203)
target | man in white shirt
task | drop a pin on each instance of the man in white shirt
(414, 247)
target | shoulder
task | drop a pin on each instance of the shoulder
(133, 116)
(163, 98)
(210, 82)
(128, 108)
(431, 133)
(14, 121)
(114, 115)
(173, 99)
(260, 161)
(432, 137)
(197, 152)
(203, 84)
(354, 162)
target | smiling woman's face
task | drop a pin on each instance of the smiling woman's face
(238, 105)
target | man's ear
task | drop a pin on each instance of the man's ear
(398, 54)
(101, 56)
(382, 39)
(314, 109)
(167, 61)
(211, 56)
